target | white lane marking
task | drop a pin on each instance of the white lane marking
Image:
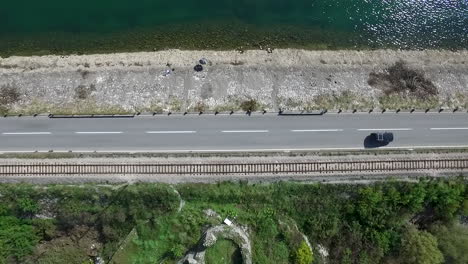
(171, 132)
(384, 129)
(26, 133)
(317, 130)
(449, 128)
(245, 131)
(97, 132)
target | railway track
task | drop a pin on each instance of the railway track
(285, 168)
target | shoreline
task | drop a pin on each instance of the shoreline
(214, 35)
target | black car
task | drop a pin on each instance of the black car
(383, 137)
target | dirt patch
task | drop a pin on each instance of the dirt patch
(206, 91)
(9, 94)
(83, 92)
(402, 80)
(79, 245)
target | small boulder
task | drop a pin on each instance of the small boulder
(198, 68)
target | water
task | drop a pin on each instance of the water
(57, 25)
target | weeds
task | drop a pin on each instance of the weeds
(200, 107)
(175, 104)
(400, 102)
(344, 100)
(82, 107)
(156, 107)
(230, 105)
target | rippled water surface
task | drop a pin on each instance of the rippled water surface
(373, 23)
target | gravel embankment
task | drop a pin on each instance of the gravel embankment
(290, 79)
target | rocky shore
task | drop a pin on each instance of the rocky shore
(230, 80)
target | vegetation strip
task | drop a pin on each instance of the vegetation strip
(390, 222)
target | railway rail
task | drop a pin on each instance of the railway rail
(285, 168)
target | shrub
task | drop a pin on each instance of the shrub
(27, 207)
(177, 251)
(249, 105)
(399, 79)
(303, 254)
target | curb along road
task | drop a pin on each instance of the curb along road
(248, 113)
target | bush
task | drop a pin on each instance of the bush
(399, 79)
(303, 254)
(27, 207)
(249, 105)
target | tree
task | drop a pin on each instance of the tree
(303, 254)
(453, 242)
(446, 198)
(419, 247)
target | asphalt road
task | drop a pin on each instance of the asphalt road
(231, 133)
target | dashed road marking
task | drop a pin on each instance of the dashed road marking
(449, 128)
(27, 133)
(384, 129)
(245, 131)
(99, 132)
(317, 130)
(171, 132)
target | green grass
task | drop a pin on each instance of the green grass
(223, 252)
(167, 237)
(126, 250)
